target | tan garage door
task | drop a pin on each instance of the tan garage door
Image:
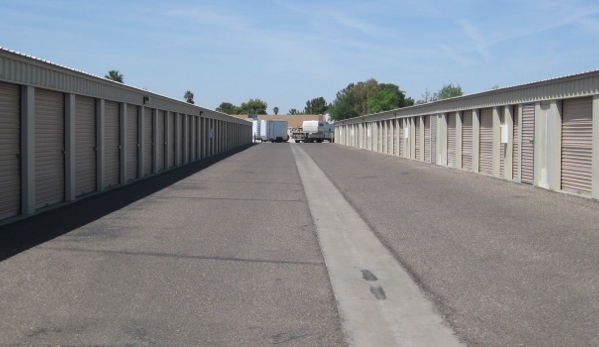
(180, 139)
(451, 139)
(516, 142)
(112, 144)
(132, 143)
(486, 141)
(148, 143)
(10, 151)
(49, 148)
(171, 139)
(85, 145)
(433, 139)
(577, 145)
(160, 140)
(528, 138)
(417, 137)
(427, 138)
(502, 148)
(467, 140)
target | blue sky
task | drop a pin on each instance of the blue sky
(286, 52)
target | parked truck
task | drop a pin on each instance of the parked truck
(265, 130)
(313, 131)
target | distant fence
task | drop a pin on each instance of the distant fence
(544, 133)
(65, 134)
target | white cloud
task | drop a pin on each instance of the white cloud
(481, 44)
(455, 56)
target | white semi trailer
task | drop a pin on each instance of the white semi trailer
(265, 130)
(314, 131)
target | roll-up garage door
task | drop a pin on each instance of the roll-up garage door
(171, 139)
(502, 148)
(185, 137)
(180, 138)
(49, 148)
(527, 143)
(132, 142)
(390, 137)
(416, 121)
(10, 150)
(85, 145)
(112, 144)
(427, 138)
(486, 141)
(160, 141)
(451, 139)
(577, 145)
(401, 138)
(148, 143)
(433, 119)
(467, 140)
(394, 135)
(516, 144)
(191, 138)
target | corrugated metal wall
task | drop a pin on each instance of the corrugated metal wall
(451, 139)
(502, 147)
(85, 145)
(467, 140)
(132, 143)
(433, 120)
(486, 141)
(577, 145)
(516, 143)
(161, 144)
(427, 138)
(147, 143)
(49, 148)
(528, 148)
(179, 137)
(10, 150)
(171, 139)
(402, 146)
(112, 144)
(389, 137)
(63, 133)
(417, 146)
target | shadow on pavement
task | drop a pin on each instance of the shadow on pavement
(30, 232)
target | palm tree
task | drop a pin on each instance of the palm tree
(188, 96)
(115, 76)
(276, 110)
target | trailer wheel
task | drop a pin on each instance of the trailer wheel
(296, 141)
(319, 140)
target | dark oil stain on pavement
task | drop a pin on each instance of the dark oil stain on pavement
(369, 276)
(378, 292)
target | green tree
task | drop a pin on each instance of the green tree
(316, 106)
(188, 96)
(294, 111)
(449, 91)
(387, 97)
(114, 75)
(343, 107)
(363, 91)
(275, 110)
(367, 97)
(228, 108)
(254, 106)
